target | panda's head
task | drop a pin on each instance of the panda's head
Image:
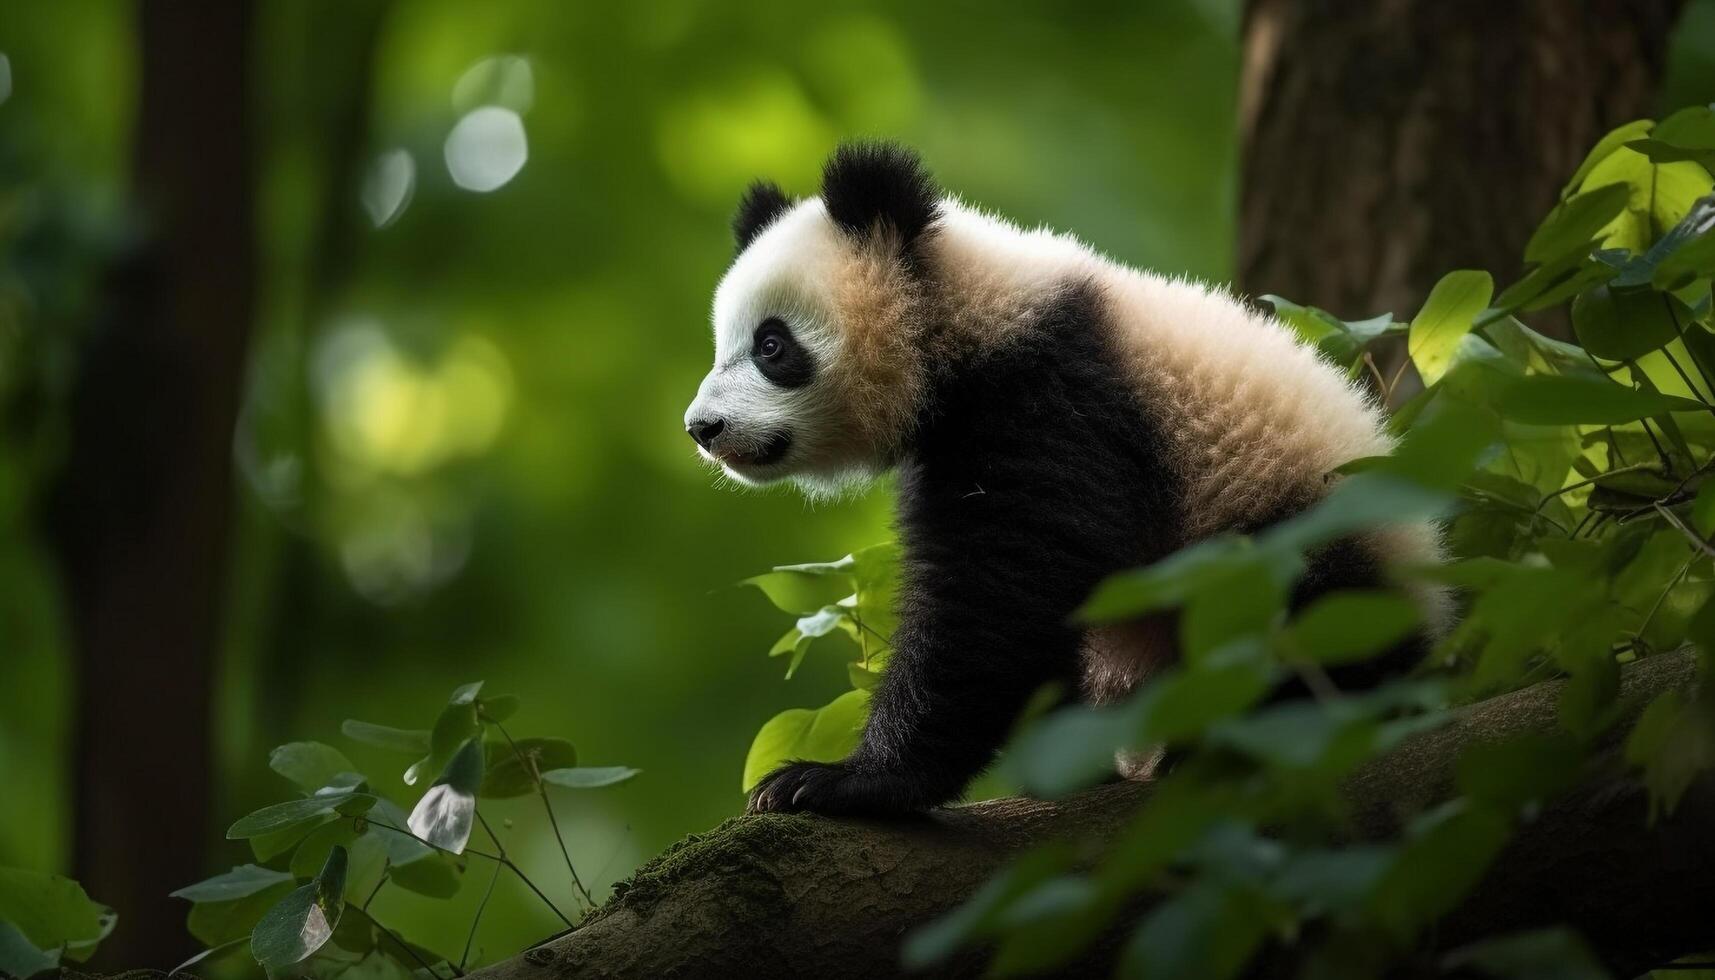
(818, 326)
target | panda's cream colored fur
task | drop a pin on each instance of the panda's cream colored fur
(1257, 420)
(1056, 416)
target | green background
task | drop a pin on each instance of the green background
(462, 453)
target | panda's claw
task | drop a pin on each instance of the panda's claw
(831, 788)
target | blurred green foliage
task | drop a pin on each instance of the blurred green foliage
(462, 451)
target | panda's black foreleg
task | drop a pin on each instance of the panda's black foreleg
(968, 656)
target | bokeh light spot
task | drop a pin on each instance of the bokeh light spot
(388, 414)
(486, 149)
(388, 186)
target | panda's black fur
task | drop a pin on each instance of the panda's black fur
(1032, 471)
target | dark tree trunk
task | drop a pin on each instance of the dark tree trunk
(1386, 142)
(141, 512)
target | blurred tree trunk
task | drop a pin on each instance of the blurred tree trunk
(141, 513)
(1386, 142)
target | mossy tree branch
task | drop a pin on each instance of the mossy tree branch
(790, 896)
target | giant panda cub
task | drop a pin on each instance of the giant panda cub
(1054, 417)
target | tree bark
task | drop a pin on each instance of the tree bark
(140, 513)
(1386, 143)
(791, 896)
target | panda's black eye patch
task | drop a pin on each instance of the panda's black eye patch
(779, 357)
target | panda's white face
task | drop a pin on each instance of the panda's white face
(769, 409)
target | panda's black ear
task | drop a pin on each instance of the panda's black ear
(868, 185)
(761, 203)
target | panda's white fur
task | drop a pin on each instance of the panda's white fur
(1254, 415)
(1251, 421)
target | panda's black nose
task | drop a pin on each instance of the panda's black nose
(705, 432)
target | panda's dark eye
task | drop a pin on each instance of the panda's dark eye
(777, 354)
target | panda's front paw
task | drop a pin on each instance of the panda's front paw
(833, 788)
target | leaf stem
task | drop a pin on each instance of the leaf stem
(209, 953)
(1672, 583)
(464, 957)
(500, 858)
(542, 791)
(402, 944)
(520, 871)
(1685, 529)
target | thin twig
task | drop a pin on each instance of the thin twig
(1672, 583)
(208, 953)
(1584, 483)
(404, 945)
(519, 871)
(473, 852)
(377, 889)
(1686, 378)
(464, 958)
(1683, 528)
(542, 791)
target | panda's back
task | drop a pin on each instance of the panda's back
(1253, 419)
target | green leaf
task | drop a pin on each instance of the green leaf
(304, 920)
(53, 911)
(314, 851)
(1580, 400)
(1660, 196)
(1050, 924)
(1445, 854)
(1184, 703)
(214, 923)
(311, 765)
(1573, 224)
(589, 777)
(1072, 748)
(497, 708)
(19, 958)
(1446, 316)
(1605, 148)
(446, 814)
(437, 876)
(862, 678)
(1209, 930)
(1344, 626)
(977, 917)
(243, 880)
(273, 843)
(458, 722)
(512, 771)
(803, 589)
(1174, 579)
(1703, 509)
(825, 734)
(1691, 229)
(1358, 503)
(1555, 953)
(1673, 741)
(407, 741)
(283, 815)
(1623, 325)
(1529, 768)
(401, 848)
